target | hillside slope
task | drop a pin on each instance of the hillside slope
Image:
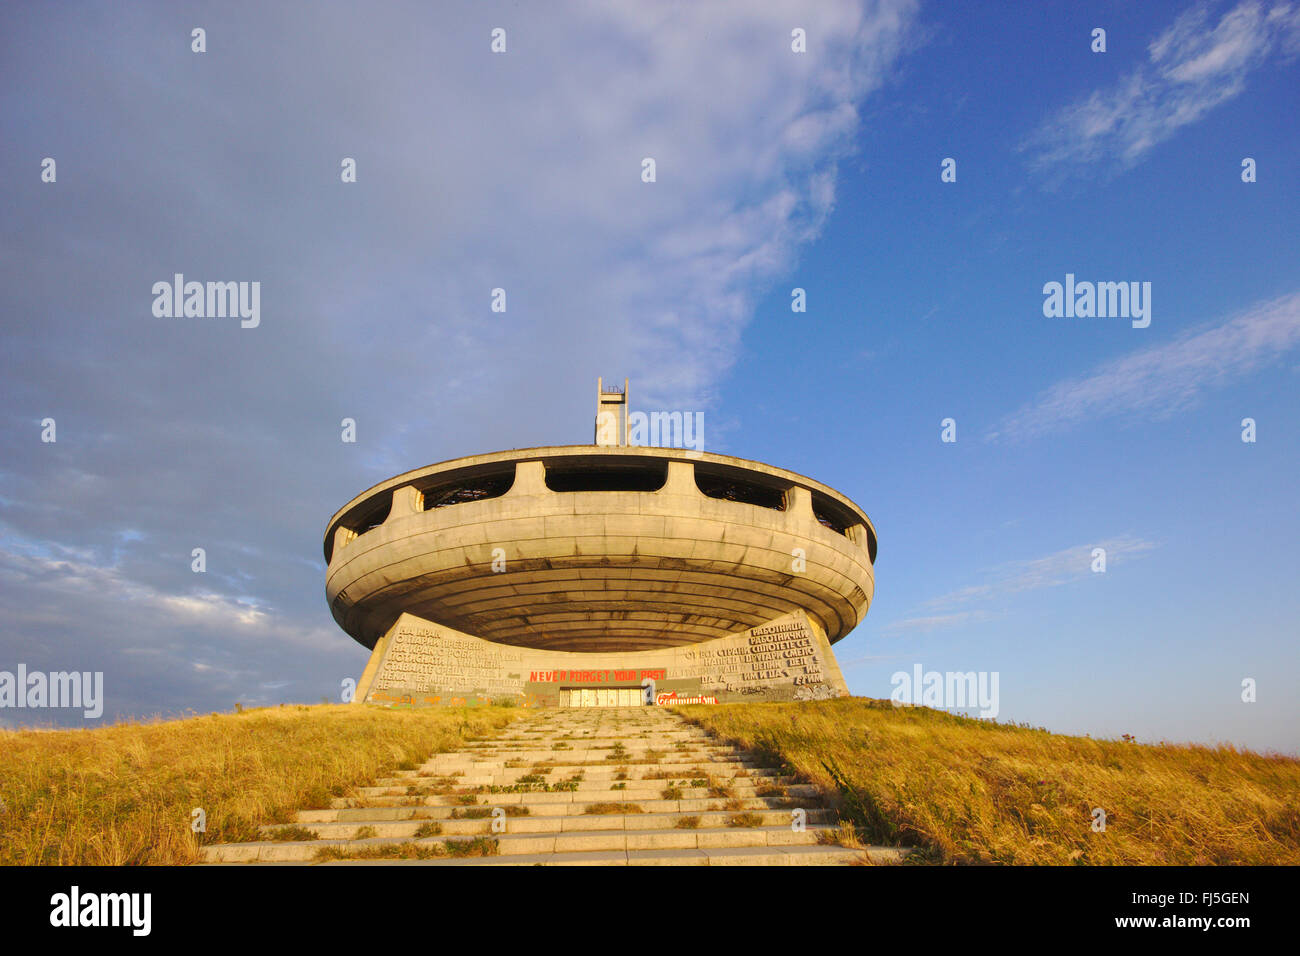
(125, 794)
(972, 791)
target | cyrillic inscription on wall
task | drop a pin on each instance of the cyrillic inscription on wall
(784, 653)
(425, 659)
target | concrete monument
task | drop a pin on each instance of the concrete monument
(599, 575)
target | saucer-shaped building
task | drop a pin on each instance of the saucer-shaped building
(587, 575)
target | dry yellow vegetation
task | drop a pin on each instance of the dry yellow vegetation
(973, 791)
(124, 794)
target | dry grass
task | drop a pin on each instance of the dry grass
(661, 775)
(609, 807)
(482, 813)
(123, 794)
(293, 833)
(973, 791)
(410, 850)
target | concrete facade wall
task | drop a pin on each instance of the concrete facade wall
(420, 663)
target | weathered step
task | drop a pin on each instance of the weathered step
(716, 856)
(578, 755)
(634, 789)
(550, 807)
(538, 800)
(608, 774)
(568, 767)
(552, 823)
(610, 740)
(512, 844)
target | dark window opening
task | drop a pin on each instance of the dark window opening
(730, 488)
(373, 518)
(833, 515)
(475, 489)
(643, 476)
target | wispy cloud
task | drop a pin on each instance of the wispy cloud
(164, 647)
(920, 625)
(1192, 67)
(53, 573)
(1163, 379)
(963, 606)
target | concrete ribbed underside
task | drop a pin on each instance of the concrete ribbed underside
(589, 607)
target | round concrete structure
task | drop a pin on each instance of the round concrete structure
(587, 548)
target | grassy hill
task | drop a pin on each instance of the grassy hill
(124, 794)
(971, 791)
(964, 790)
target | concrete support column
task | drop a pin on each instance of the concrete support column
(681, 479)
(406, 502)
(798, 502)
(342, 536)
(530, 479)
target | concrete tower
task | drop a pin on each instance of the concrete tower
(611, 414)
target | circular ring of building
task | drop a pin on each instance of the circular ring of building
(587, 548)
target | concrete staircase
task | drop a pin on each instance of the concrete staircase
(597, 786)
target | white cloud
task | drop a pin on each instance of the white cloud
(51, 580)
(1193, 66)
(963, 606)
(1051, 570)
(1163, 379)
(920, 625)
(746, 136)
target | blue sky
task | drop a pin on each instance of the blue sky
(776, 170)
(925, 302)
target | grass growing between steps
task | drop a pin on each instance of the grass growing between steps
(410, 850)
(124, 794)
(973, 791)
(609, 807)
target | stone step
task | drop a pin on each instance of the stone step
(566, 768)
(635, 745)
(575, 755)
(505, 782)
(513, 844)
(553, 809)
(566, 784)
(538, 800)
(763, 775)
(714, 856)
(553, 823)
(609, 741)
(590, 757)
(613, 738)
